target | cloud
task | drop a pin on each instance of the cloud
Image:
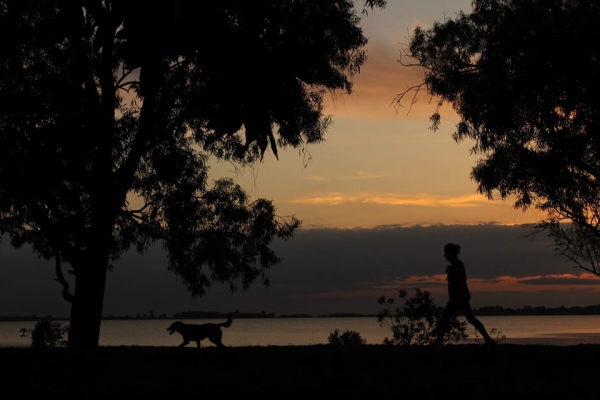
(326, 271)
(328, 199)
(340, 294)
(495, 284)
(360, 175)
(556, 286)
(563, 279)
(420, 200)
(422, 281)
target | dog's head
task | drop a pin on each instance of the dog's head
(174, 327)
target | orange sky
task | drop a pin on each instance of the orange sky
(381, 164)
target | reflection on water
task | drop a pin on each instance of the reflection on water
(554, 329)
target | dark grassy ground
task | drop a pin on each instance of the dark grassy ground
(370, 371)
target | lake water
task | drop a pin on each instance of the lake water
(548, 330)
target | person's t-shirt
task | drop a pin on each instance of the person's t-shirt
(457, 281)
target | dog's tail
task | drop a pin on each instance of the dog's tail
(227, 323)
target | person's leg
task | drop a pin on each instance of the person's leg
(444, 322)
(470, 317)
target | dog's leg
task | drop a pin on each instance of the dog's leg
(198, 343)
(216, 339)
(185, 342)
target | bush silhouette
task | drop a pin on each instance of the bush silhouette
(415, 322)
(348, 338)
(47, 333)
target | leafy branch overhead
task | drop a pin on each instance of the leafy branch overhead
(111, 110)
(531, 112)
(265, 76)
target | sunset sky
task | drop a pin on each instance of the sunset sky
(381, 164)
(378, 200)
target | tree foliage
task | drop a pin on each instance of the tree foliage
(523, 76)
(416, 321)
(47, 333)
(111, 110)
(347, 338)
(577, 243)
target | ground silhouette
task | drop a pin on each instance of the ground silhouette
(365, 371)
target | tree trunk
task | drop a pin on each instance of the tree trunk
(86, 309)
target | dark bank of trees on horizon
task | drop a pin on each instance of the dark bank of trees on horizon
(540, 310)
(262, 314)
(483, 311)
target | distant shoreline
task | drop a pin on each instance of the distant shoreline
(483, 311)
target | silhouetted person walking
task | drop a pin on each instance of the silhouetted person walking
(459, 295)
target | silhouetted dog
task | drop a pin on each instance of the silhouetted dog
(196, 333)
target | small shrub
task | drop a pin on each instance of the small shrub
(348, 338)
(47, 333)
(496, 334)
(416, 321)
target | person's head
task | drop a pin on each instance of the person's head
(451, 250)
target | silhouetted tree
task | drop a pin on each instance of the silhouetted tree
(109, 111)
(46, 333)
(577, 242)
(347, 338)
(523, 75)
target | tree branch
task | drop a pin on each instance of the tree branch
(399, 97)
(60, 278)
